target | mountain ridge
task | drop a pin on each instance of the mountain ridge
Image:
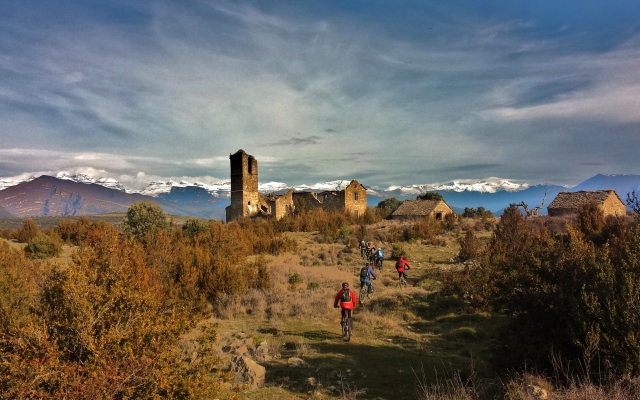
(209, 200)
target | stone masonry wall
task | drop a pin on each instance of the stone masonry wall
(355, 198)
(613, 206)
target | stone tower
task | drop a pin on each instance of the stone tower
(245, 200)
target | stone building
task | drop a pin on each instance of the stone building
(352, 200)
(567, 203)
(409, 209)
(246, 201)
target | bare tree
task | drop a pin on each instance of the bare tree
(534, 211)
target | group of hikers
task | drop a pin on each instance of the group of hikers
(346, 298)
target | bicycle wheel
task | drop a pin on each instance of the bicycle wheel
(364, 294)
(348, 329)
(344, 327)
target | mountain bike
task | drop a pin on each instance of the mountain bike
(347, 328)
(403, 280)
(378, 263)
(365, 293)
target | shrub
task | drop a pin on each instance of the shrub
(28, 232)
(469, 246)
(398, 250)
(44, 246)
(294, 279)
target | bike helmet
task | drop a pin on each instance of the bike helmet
(367, 265)
(379, 249)
(345, 285)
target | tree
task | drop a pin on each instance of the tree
(144, 218)
(28, 232)
(430, 196)
(469, 247)
(195, 226)
(388, 206)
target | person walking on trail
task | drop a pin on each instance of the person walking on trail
(402, 266)
(365, 273)
(378, 257)
(363, 248)
(347, 300)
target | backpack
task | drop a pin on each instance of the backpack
(398, 264)
(346, 295)
(364, 271)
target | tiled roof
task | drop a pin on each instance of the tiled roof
(416, 207)
(575, 200)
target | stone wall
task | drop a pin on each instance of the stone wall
(614, 206)
(281, 205)
(355, 198)
(441, 210)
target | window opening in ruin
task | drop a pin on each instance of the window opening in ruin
(439, 216)
(355, 196)
(251, 165)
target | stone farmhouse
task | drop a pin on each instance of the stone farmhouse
(567, 203)
(246, 201)
(413, 209)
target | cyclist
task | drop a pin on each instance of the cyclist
(347, 299)
(370, 249)
(365, 273)
(402, 266)
(363, 248)
(378, 257)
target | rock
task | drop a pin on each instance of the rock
(311, 381)
(537, 392)
(242, 350)
(241, 335)
(297, 362)
(248, 341)
(250, 372)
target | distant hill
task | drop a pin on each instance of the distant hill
(5, 214)
(49, 196)
(622, 184)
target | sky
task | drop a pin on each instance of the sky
(386, 92)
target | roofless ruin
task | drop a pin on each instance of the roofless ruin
(246, 201)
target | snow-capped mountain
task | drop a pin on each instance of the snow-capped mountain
(489, 185)
(7, 183)
(82, 178)
(222, 189)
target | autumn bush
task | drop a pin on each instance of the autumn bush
(103, 326)
(574, 295)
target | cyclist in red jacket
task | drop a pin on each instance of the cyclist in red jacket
(347, 299)
(401, 266)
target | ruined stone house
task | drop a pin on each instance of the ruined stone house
(352, 200)
(412, 209)
(246, 201)
(567, 203)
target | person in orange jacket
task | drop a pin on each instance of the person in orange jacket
(347, 300)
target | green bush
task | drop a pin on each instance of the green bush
(313, 286)
(398, 250)
(44, 246)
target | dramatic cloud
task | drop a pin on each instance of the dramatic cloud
(388, 93)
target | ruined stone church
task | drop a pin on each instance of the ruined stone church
(246, 201)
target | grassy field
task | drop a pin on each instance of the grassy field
(402, 337)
